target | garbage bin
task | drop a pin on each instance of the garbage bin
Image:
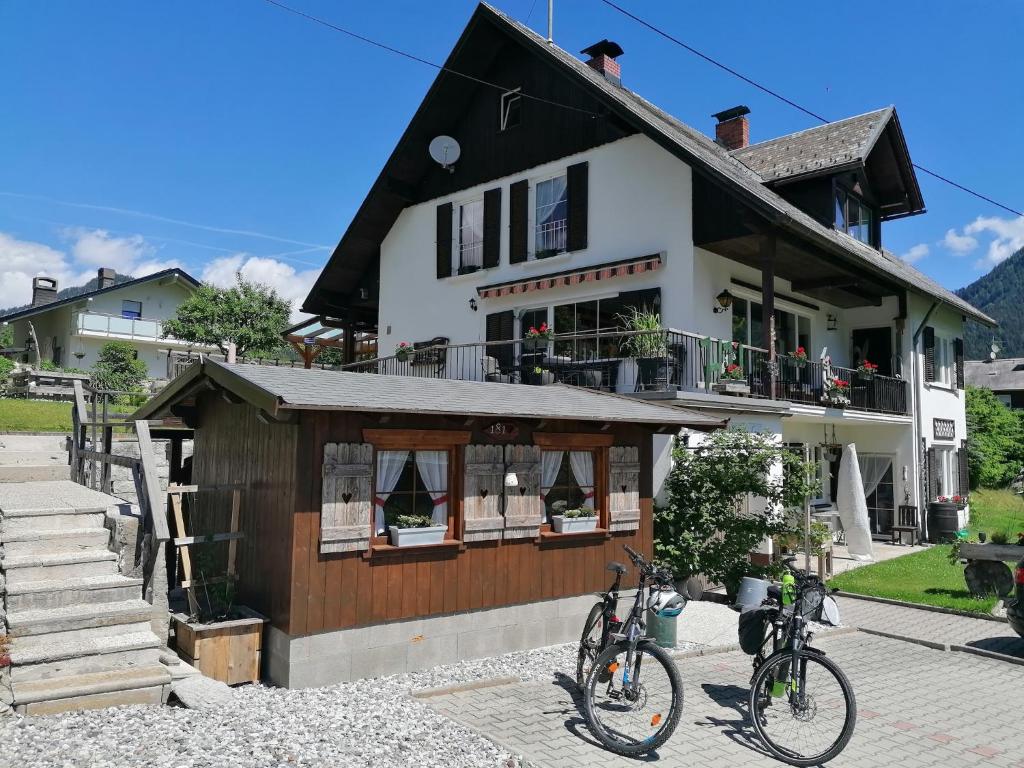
(662, 630)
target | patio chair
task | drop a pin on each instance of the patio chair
(492, 370)
(430, 357)
(906, 522)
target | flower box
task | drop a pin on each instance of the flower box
(227, 650)
(417, 537)
(563, 524)
(731, 387)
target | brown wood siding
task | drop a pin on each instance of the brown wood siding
(337, 591)
(233, 446)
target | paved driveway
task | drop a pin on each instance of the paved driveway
(917, 707)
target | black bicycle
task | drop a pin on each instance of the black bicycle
(632, 707)
(801, 704)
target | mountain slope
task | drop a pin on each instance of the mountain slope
(76, 290)
(998, 294)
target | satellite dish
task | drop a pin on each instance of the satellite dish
(445, 151)
(994, 348)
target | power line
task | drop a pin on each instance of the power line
(420, 60)
(791, 103)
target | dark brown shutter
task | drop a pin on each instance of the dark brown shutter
(501, 327)
(576, 187)
(492, 227)
(958, 350)
(518, 221)
(933, 476)
(965, 469)
(444, 240)
(929, 353)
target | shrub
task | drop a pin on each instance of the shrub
(999, 537)
(48, 365)
(413, 521)
(996, 444)
(118, 368)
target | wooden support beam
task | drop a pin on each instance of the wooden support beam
(824, 282)
(769, 246)
(185, 541)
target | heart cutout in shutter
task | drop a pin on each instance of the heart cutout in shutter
(623, 487)
(483, 493)
(346, 497)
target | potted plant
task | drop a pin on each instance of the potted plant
(647, 345)
(540, 376)
(572, 520)
(867, 370)
(538, 338)
(837, 392)
(415, 531)
(733, 381)
(799, 357)
(403, 351)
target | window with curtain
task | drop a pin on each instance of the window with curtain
(946, 470)
(471, 236)
(791, 330)
(131, 309)
(879, 490)
(410, 483)
(551, 216)
(854, 217)
(567, 477)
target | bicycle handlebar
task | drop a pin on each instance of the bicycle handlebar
(648, 570)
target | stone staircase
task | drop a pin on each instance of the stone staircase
(78, 633)
(33, 457)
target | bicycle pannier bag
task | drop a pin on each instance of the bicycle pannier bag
(753, 629)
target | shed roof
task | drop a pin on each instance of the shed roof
(273, 389)
(1001, 375)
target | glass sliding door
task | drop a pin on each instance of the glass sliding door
(879, 491)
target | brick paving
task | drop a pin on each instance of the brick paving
(918, 707)
(947, 629)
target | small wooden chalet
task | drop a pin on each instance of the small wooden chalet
(330, 460)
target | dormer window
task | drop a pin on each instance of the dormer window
(511, 113)
(855, 217)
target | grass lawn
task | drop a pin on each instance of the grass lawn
(17, 415)
(928, 577)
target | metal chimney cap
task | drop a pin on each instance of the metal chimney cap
(606, 47)
(732, 113)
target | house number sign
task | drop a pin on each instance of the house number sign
(945, 429)
(503, 430)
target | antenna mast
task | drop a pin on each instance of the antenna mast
(551, 20)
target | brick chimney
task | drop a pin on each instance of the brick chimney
(733, 128)
(602, 59)
(44, 291)
(105, 277)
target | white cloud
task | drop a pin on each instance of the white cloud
(1007, 237)
(916, 253)
(959, 244)
(289, 283)
(22, 260)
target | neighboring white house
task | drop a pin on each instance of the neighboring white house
(71, 331)
(574, 200)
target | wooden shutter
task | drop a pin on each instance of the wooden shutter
(484, 482)
(347, 498)
(623, 488)
(524, 510)
(444, 240)
(929, 353)
(576, 187)
(518, 221)
(958, 348)
(492, 227)
(964, 479)
(501, 326)
(933, 476)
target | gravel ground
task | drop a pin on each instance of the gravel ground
(365, 723)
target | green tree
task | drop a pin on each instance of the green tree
(995, 440)
(250, 315)
(705, 527)
(6, 336)
(118, 368)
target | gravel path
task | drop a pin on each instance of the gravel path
(365, 723)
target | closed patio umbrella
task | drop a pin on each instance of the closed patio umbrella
(853, 506)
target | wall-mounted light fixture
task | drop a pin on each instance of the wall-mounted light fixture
(364, 294)
(724, 300)
(833, 322)
(472, 304)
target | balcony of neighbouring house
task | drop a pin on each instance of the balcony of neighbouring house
(648, 362)
(117, 327)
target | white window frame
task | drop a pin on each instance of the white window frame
(946, 471)
(457, 232)
(504, 107)
(752, 298)
(534, 219)
(943, 361)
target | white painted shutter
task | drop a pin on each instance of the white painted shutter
(347, 497)
(484, 482)
(524, 510)
(624, 488)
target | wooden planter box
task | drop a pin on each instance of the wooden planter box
(731, 388)
(228, 651)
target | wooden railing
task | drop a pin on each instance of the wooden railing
(94, 424)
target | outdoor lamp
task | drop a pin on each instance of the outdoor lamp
(724, 300)
(833, 322)
(472, 304)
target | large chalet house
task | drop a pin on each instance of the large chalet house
(574, 204)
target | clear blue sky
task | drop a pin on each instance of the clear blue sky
(234, 115)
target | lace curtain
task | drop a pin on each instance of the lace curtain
(582, 463)
(433, 468)
(389, 468)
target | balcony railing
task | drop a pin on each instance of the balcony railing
(116, 326)
(637, 362)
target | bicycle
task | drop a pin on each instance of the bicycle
(801, 703)
(630, 711)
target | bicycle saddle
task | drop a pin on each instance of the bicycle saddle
(616, 567)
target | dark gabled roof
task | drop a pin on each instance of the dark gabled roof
(706, 157)
(1001, 375)
(274, 389)
(32, 311)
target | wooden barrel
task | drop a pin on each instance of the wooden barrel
(943, 522)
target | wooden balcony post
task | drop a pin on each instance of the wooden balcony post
(768, 246)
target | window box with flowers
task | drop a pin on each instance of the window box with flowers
(403, 351)
(537, 338)
(578, 520)
(866, 370)
(799, 357)
(836, 393)
(415, 531)
(733, 381)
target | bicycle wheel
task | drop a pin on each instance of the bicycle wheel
(590, 644)
(807, 717)
(639, 717)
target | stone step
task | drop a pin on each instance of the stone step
(63, 565)
(29, 443)
(13, 527)
(24, 473)
(91, 691)
(76, 617)
(37, 458)
(41, 541)
(54, 593)
(46, 649)
(129, 651)
(51, 497)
